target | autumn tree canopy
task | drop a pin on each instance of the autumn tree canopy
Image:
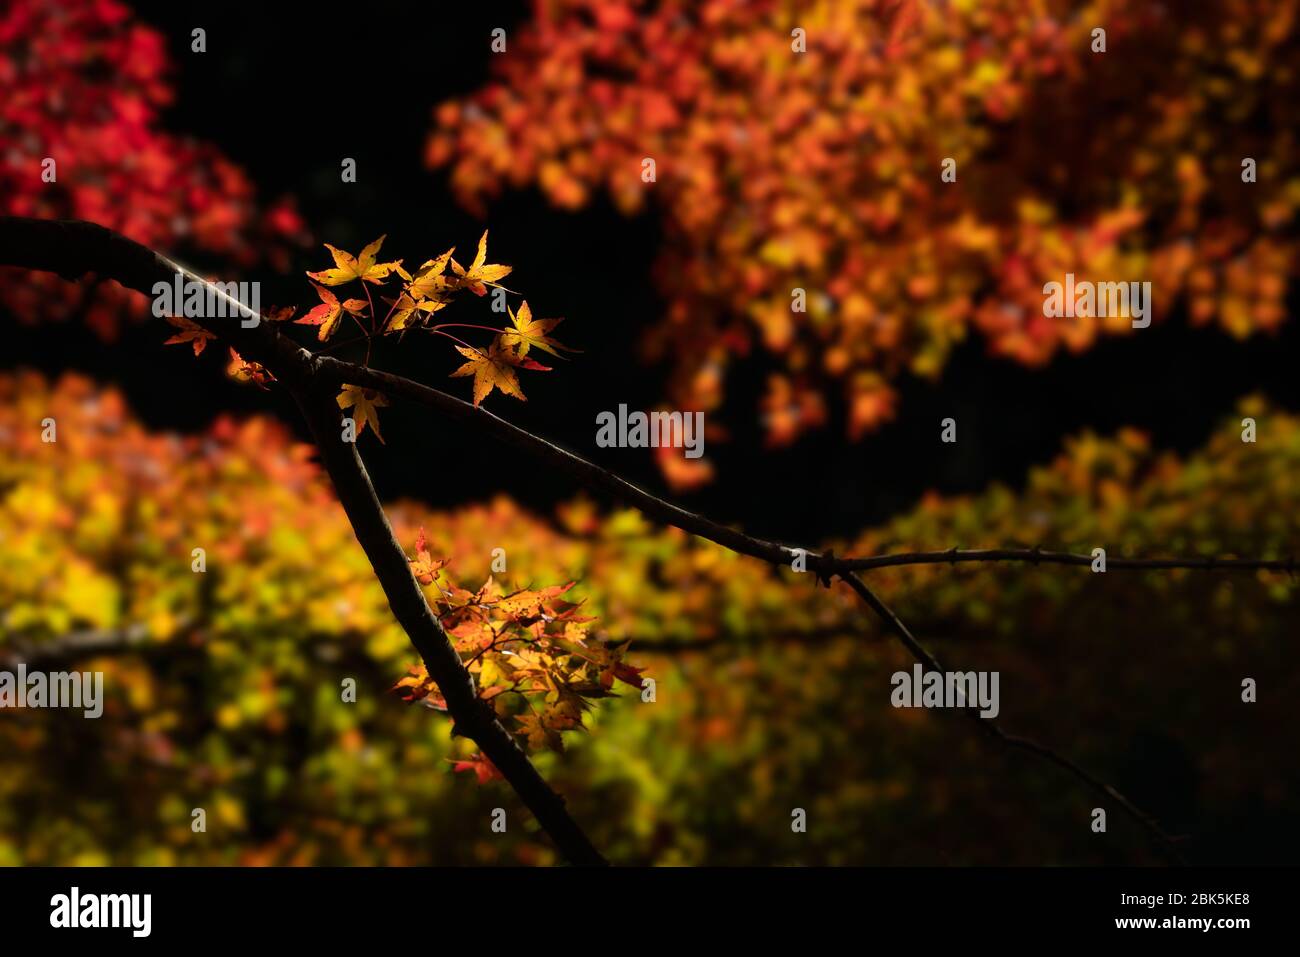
(801, 196)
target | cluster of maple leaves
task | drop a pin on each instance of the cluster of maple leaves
(528, 651)
(820, 170)
(418, 298)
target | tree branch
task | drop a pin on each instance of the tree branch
(473, 717)
(79, 644)
(590, 474)
(1039, 556)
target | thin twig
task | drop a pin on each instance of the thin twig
(988, 726)
(825, 563)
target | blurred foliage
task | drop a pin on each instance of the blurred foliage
(772, 693)
(84, 86)
(820, 171)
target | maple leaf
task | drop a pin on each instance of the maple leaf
(278, 313)
(190, 332)
(539, 734)
(479, 275)
(528, 604)
(492, 369)
(364, 403)
(420, 687)
(429, 281)
(628, 675)
(614, 667)
(529, 332)
(471, 635)
(423, 565)
(241, 370)
(404, 307)
(481, 765)
(329, 312)
(567, 612)
(362, 267)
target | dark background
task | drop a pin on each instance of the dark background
(288, 90)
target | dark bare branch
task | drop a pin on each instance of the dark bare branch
(78, 644)
(474, 718)
(594, 476)
(1039, 556)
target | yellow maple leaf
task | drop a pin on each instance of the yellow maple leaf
(429, 281)
(364, 403)
(404, 307)
(493, 368)
(540, 734)
(480, 275)
(528, 332)
(526, 603)
(362, 267)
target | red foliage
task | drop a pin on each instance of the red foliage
(84, 87)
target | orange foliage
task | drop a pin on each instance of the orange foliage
(820, 171)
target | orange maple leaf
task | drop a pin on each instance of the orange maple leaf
(420, 687)
(423, 566)
(242, 370)
(682, 474)
(528, 604)
(190, 332)
(329, 312)
(278, 313)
